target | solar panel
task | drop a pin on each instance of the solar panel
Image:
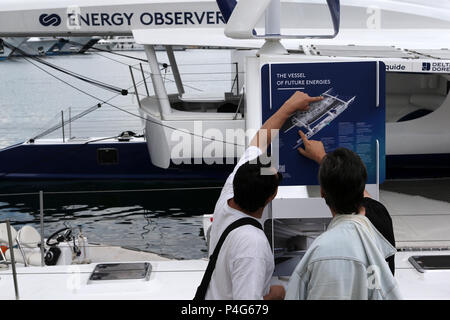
(434, 53)
(361, 51)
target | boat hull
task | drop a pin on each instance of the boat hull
(81, 161)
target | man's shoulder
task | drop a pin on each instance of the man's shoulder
(249, 234)
(375, 208)
(342, 231)
(245, 234)
(248, 241)
(340, 242)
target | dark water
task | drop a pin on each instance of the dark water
(164, 222)
(168, 223)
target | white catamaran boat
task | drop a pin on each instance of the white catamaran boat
(417, 114)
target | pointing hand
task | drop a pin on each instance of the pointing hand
(314, 150)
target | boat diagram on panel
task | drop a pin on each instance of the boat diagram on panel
(319, 115)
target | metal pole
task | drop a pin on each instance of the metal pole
(143, 78)
(377, 196)
(135, 87)
(158, 83)
(237, 78)
(62, 126)
(13, 260)
(273, 28)
(175, 71)
(70, 123)
(41, 211)
(270, 208)
(273, 13)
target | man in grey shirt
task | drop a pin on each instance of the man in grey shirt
(348, 260)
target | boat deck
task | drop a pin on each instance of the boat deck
(414, 285)
(421, 218)
(72, 282)
(420, 212)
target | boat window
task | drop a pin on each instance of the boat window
(121, 271)
(107, 156)
(411, 96)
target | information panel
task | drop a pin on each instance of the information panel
(351, 115)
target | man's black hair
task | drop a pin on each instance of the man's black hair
(343, 177)
(253, 186)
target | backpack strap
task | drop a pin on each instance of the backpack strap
(201, 290)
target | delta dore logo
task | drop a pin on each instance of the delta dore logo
(426, 66)
(50, 20)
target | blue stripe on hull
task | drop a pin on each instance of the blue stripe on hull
(79, 161)
(418, 166)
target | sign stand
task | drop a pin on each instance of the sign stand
(354, 118)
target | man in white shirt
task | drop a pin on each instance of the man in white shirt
(245, 263)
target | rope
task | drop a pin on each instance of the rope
(80, 115)
(104, 102)
(86, 79)
(173, 128)
(146, 72)
(109, 191)
(110, 51)
(123, 110)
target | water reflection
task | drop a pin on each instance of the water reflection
(165, 222)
